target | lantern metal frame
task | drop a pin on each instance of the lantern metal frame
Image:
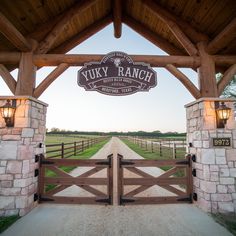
(8, 112)
(222, 114)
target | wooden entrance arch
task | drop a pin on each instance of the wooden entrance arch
(196, 34)
(199, 35)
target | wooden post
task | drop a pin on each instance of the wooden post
(174, 151)
(110, 179)
(74, 148)
(160, 149)
(152, 146)
(206, 73)
(62, 150)
(82, 145)
(26, 75)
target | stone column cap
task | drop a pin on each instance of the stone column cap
(24, 98)
(206, 99)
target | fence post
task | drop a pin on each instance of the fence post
(152, 146)
(160, 149)
(62, 150)
(74, 148)
(82, 145)
(174, 151)
(146, 145)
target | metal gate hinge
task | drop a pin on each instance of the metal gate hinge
(126, 200)
(104, 200)
(185, 199)
(122, 162)
(45, 199)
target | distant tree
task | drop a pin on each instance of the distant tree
(55, 130)
(230, 90)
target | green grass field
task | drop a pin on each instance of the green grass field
(6, 221)
(53, 139)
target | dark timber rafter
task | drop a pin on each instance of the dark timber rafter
(82, 36)
(13, 35)
(223, 38)
(193, 34)
(152, 37)
(47, 43)
(117, 17)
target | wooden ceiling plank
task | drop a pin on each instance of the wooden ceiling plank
(47, 43)
(49, 79)
(162, 13)
(117, 18)
(184, 80)
(8, 78)
(80, 59)
(223, 38)
(13, 35)
(82, 36)
(152, 37)
(228, 76)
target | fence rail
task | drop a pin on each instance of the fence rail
(171, 148)
(65, 150)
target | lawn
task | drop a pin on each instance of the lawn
(6, 221)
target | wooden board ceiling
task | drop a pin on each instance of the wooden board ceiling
(37, 18)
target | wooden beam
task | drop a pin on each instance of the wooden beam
(224, 60)
(26, 75)
(79, 60)
(83, 35)
(8, 78)
(47, 43)
(10, 57)
(184, 80)
(228, 76)
(181, 37)
(206, 73)
(152, 37)
(223, 38)
(117, 16)
(192, 33)
(13, 35)
(49, 79)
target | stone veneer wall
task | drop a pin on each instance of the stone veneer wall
(18, 147)
(215, 180)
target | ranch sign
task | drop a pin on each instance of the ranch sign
(117, 75)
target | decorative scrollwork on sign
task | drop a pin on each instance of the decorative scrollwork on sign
(117, 75)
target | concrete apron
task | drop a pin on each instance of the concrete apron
(86, 220)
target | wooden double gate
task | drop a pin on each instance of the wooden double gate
(138, 181)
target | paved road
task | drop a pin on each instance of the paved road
(147, 220)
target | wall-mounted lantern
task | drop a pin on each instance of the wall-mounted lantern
(8, 112)
(222, 114)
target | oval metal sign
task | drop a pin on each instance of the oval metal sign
(117, 75)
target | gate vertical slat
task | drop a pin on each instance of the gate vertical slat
(41, 189)
(119, 178)
(110, 178)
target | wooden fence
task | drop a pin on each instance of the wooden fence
(166, 148)
(65, 150)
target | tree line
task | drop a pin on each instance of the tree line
(115, 133)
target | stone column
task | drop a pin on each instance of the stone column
(18, 147)
(215, 179)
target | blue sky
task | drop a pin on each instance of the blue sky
(73, 108)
